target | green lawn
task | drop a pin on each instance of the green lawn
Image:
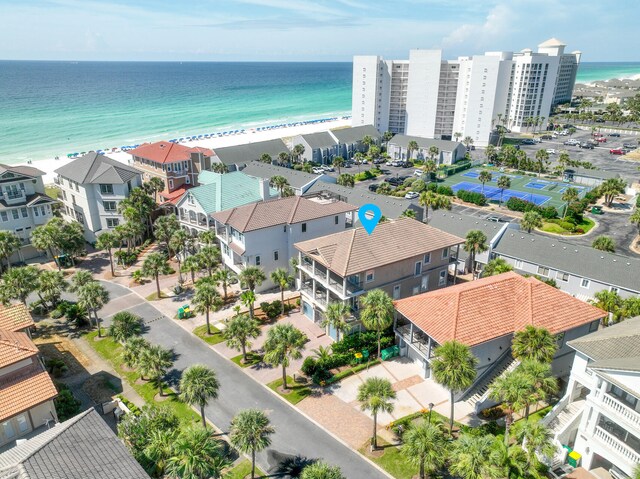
(110, 350)
(585, 225)
(215, 338)
(298, 391)
(252, 358)
(392, 461)
(51, 191)
(536, 416)
(154, 297)
(241, 470)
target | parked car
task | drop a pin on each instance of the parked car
(615, 135)
(551, 151)
(411, 195)
(599, 120)
(587, 145)
(632, 146)
(527, 141)
(497, 219)
(616, 151)
(318, 170)
(374, 187)
(378, 161)
(395, 181)
(572, 142)
(418, 173)
(537, 140)
(406, 164)
(388, 163)
(547, 137)
(601, 139)
(328, 168)
(397, 163)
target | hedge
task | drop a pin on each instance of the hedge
(517, 204)
(364, 175)
(472, 197)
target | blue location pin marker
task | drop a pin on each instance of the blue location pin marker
(369, 216)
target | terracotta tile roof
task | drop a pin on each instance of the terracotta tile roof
(15, 317)
(15, 347)
(25, 391)
(354, 251)
(291, 210)
(489, 308)
(236, 248)
(167, 152)
(174, 196)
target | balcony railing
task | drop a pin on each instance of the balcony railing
(14, 195)
(618, 407)
(320, 296)
(418, 342)
(617, 445)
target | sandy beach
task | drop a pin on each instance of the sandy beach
(249, 136)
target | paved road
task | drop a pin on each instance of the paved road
(297, 439)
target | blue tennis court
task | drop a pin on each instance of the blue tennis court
(565, 188)
(536, 185)
(493, 193)
(494, 176)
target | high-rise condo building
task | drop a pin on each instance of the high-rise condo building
(436, 98)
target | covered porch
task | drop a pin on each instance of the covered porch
(414, 343)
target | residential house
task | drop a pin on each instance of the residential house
(298, 180)
(390, 206)
(460, 225)
(449, 152)
(218, 192)
(599, 416)
(237, 156)
(586, 177)
(263, 234)
(350, 139)
(91, 187)
(176, 165)
(26, 390)
(484, 315)
(343, 266)
(16, 318)
(23, 205)
(320, 147)
(83, 447)
(578, 270)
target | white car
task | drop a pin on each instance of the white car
(537, 140)
(389, 163)
(418, 173)
(318, 171)
(327, 168)
(411, 195)
(551, 151)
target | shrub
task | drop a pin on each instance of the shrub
(320, 376)
(492, 413)
(360, 341)
(409, 181)
(66, 404)
(517, 204)
(77, 315)
(38, 307)
(432, 187)
(444, 190)
(297, 167)
(56, 367)
(309, 366)
(418, 186)
(365, 175)
(472, 197)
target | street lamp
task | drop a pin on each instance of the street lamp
(430, 409)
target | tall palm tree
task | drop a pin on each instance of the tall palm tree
(125, 325)
(298, 151)
(612, 187)
(209, 257)
(484, 177)
(513, 389)
(531, 220)
(93, 297)
(207, 238)
(608, 301)
(248, 299)
(107, 241)
(338, 163)
(249, 433)
(569, 196)
(154, 363)
(9, 244)
(178, 243)
(279, 183)
(532, 343)
(240, 330)
(206, 299)
(197, 455)
(368, 141)
(336, 316)
(604, 243)
(542, 382)
(411, 147)
(164, 228)
(198, 385)
(535, 439)
(377, 312)
(50, 285)
(468, 141)
(457, 135)
(156, 185)
(43, 238)
(192, 265)
(429, 199)
(250, 278)
(429, 168)
(79, 279)
(504, 183)
(376, 395)
(434, 151)
(510, 460)
(470, 457)
(283, 157)
(224, 277)
(321, 470)
(284, 343)
(283, 279)
(454, 367)
(153, 266)
(133, 349)
(424, 446)
(541, 157)
(475, 242)
(265, 158)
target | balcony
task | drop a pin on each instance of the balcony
(320, 297)
(14, 197)
(418, 339)
(617, 445)
(617, 407)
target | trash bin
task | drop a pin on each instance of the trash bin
(365, 354)
(389, 352)
(574, 458)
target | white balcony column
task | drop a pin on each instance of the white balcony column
(411, 333)
(313, 267)
(327, 295)
(313, 287)
(344, 286)
(429, 346)
(328, 276)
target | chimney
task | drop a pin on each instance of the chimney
(264, 188)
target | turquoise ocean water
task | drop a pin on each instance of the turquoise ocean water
(53, 108)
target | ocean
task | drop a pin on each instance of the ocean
(50, 109)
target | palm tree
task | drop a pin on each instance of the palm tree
(9, 244)
(513, 389)
(43, 238)
(336, 316)
(79, 279)
(457, 135)
(207, 238)
(541, 381)
(484, 177)
(604, 243)
(133, 349)
(154, 363)
(220, 168)
(424, 446)
(468, 141)
(368, 142)
(93, 296)
(345, 179)
(338, 163)
(435, 201)
(434, 151)
(239, 332)
(206, 299)
(531, 220)
(454, 367)
(470, 457)
(376, 395)
(475, 242)
(535, 439)
(50, 285)
(209, 257)
(284, 343)
(154, 265)
(163, 229)
(612, 187)
(107, 241)
(159, 449)
(532, 343)
(250, 278)
(125, 325)
(197, 455)
(541, 156)
(411, 147)
(298, 151)
(321, 470)
(178, 244)
(265, 158)
(283, 279)
(429, 168)
(377, 312)
(608, 301)
(510, 460)
(248, 298)
(569, 196)
(504, 183)
(198, 385)
(249, 433)
(283, 157)
(225, 277)
(496, 266)
(156, 185)
(634, 219)
(279, 183)
(193, 265)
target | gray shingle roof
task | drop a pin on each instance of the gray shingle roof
(355, 134)
(443, 145)
(21, 170)
(600, 174)
(613, 344)
(584, 261)
(83, 447)
(297, 179)
(97, 168)
(243, 154)
(321, 139)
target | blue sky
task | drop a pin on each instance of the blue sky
(309, 30)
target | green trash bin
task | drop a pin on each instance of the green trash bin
(389, 353)
(396, 350)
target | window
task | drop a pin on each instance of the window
(562, 276)
(614, 289)
(542, 271)
(336, 220)
(23, 424)
(594, 326)
(416, 290)
(257, 260)
(585, 283)
(396, 291)
(112, 222)
(76, 184)
(15, 214)
(73, 199)
(9, 431)
(418, 269)
(560, 339)
(170, 184)
(190, 199)
(106, 189)
(369, 276)
(275, 256)
(424, 283)
(427, 258)
(442, 280)
(304, 227)
(64, 195)
(109, 205)
(25, 213)
(445, 253)
(285, 228)
(35, 211)
(4, 216)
